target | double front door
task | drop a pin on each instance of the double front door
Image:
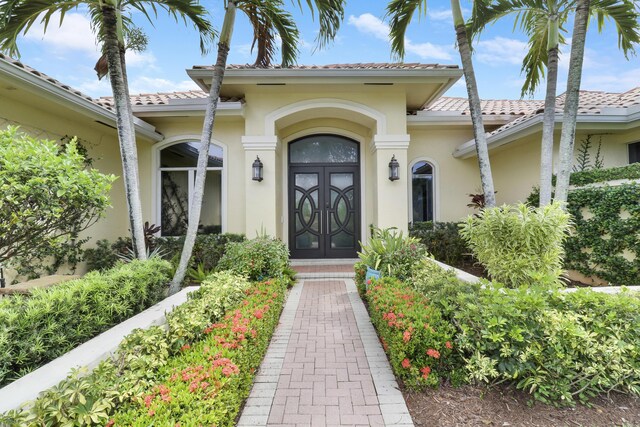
(324, 211)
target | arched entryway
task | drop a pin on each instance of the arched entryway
(324, 197)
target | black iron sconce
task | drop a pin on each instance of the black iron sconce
(257, 170)
(394, 166)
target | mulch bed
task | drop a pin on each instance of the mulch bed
(506, 406)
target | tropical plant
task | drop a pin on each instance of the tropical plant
(389, 251)
(47, 196)
(519, 245)
(543, 23)
(109, 21)
(270, 21)
(628, 24)
(401, 13)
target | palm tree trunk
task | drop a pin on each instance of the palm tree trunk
(572, 99)
(205, 141)
(482, 150)
(126, 131)
(548, 125)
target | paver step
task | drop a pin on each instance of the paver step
(323, 262)
(325, 275)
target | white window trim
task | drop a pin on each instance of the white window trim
(156, 180)
(436, 186)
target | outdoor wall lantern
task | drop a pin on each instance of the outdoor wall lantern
(257, 169)
(393, 169)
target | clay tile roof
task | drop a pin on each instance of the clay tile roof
(165, 98)
(591, 102)
(503, 107)
(355, 66)
(52, 81)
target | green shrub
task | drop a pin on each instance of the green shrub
(391, 253)
(414, 335)
(36, 329)
(147, 358)
(519, 245)
(256, 259)
(443, 241)
(207, 250)
(47, 197)
(560, 347)
(102, 257)
(208, 382)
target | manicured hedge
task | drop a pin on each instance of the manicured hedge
(443, 241)
(38, 328)
(631, 171)
(196, 372)
(257, 259)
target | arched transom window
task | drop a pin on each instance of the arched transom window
(177, 172)
(422, 191)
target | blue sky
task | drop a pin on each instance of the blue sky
(69, 53)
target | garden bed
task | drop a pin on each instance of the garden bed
(504, 406)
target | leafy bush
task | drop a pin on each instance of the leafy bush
(443, 241)
(517, 244)
(36, 329)
(148, 358)
(560, 347)
(47, 198)
(414, 335)
(392, 253)
(256, 259)
(631, 171)
(207, 250)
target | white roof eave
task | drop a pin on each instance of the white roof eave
(75, 102)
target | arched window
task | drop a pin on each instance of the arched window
(422, 191)
(178, 164)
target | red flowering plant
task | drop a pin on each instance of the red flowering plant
(416, 338)
(207, 382)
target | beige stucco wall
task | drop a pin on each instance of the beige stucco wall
(454, 178)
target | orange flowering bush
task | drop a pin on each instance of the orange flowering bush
(206, 383)
(416, 338)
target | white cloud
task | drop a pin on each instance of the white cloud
(428, 50)
(374, 26)
(146, 60)
(500, 51)
(74, 34)
(440, 15)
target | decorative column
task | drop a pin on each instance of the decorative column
(391, 200)
(260, 203)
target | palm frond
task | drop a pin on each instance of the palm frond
(624, 14)
(18, 16)
(330, 15)
(400, 13)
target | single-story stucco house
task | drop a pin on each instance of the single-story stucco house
(325, 136)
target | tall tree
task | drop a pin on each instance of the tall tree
(109, 22)
(401, 13)
(269, 20)
(543, 21)
(628, 19)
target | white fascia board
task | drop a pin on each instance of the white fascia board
(75, 102)
(615, 116)
(310, 76)
(440, 118)
(189, 109)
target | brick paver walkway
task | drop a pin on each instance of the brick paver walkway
(327, 368)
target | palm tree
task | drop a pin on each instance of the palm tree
(627, 19)
(269, 19)
(109, 23)
(542, 21)
(401, 12)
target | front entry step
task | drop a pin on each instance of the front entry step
(324, 268)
